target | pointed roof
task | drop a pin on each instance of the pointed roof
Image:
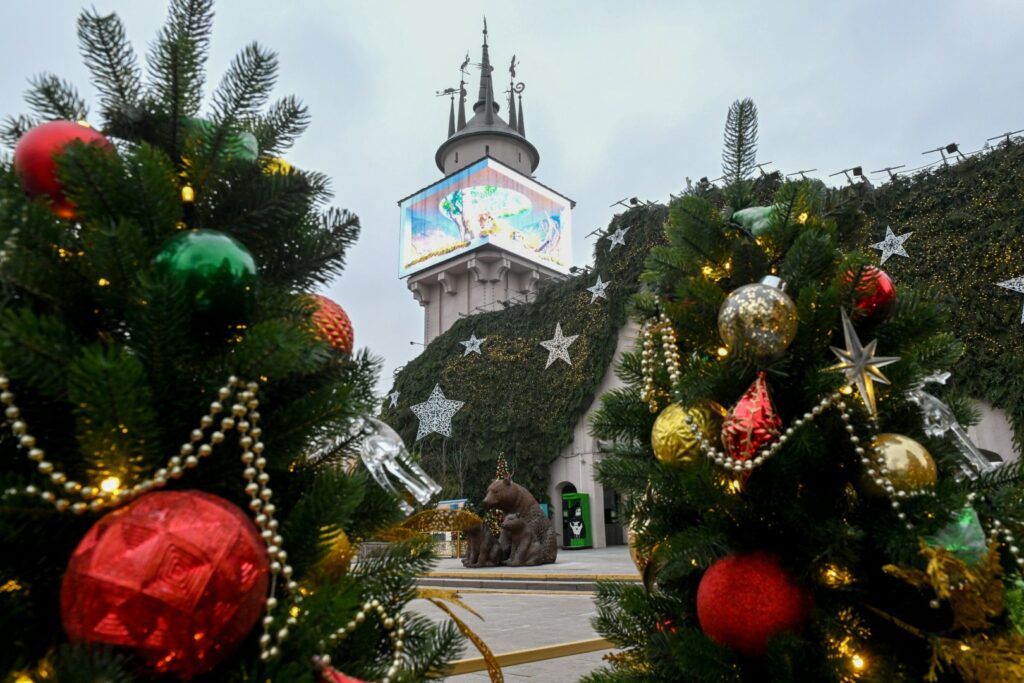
(451, 118)
(485, 120)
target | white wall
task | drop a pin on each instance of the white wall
(576, 463)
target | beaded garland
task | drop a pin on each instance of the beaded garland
(658, 326)
(244, 418)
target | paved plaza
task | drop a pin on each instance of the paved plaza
(518, 620)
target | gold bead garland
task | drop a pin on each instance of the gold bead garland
(663, 326)
(244, 418)
(395, 627)
(876, 469)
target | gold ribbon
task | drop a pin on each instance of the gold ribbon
(438, 597)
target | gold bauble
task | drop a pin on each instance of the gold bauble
(672, 438)
(640, 559)
(910, 466)
(338, 558)
(759, 318)
(277, 166)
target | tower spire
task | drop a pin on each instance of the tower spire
(512, 94)
(462, 92)
(451, 117)
(522, 117)
(485, 101)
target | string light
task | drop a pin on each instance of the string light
(722, 352)
(802, 218)
(24, 678)
(188, 195)
(103, 282)
(110, 485)
(834, 576)
(846, 390)
(858, 662)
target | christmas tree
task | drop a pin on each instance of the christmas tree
(182, 494)
(802, 505)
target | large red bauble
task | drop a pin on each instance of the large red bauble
(744, 599)
(333, 324)
(874, 297)
(752, 423)
(35, 164)
(180, 577)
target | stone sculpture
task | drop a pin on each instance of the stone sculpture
(531, 538)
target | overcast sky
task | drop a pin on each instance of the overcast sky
(622, 98)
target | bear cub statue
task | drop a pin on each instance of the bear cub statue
(531, 538)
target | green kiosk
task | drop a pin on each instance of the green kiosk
(576, 528)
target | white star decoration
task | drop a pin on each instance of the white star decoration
(860, 364)
(618, 238)
(892, 245)
(1015, 285)
(558, 347)
(393, 397)
(435, 414)
(472, 344)
(597, 291)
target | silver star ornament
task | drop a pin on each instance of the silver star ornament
(618, 238)
(1015, 285)
(393, 397)
(597, 291)
(472, 345)
(860, 364)
(892, 245)
(558, 347)
(435, 414)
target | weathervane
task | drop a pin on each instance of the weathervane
(514, 87)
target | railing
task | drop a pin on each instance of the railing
(536, 654)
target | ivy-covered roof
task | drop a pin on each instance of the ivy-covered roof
(967, 222)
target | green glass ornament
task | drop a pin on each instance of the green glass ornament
(237, 145)
(217, 273)
(756, 219)
(964, 537)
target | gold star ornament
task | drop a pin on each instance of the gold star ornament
(860, 364)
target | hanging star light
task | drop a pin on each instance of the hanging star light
(393, 397)
(558, 347)
(892, 245)
(1014, 285)
(597, 291)
(435, 414)
(618, 238)
(860, 364)
(472, 345)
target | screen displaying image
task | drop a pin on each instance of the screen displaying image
(485, 203)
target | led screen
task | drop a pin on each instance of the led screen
(486, 203)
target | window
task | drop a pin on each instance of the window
(487, 149)
(520, 157)
(456, 157)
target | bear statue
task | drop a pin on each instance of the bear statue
(483, 549)
(531, 537)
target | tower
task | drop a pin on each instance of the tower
(486, 234)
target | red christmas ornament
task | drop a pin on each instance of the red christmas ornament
(874, 297)
(744, 599)
(34, 160)
(180, 577)
(752, 423)
(333, 324)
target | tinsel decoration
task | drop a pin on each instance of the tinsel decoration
(438, 599)
(752, 423)
(976, 597)
(336, 561)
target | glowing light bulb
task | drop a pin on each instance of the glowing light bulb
(858, 662)
(188, 195)
(708, 271)
(722, 352)
(846, 391)
(103, 282)
(23, 678)
(110, 485)
(802, 218)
